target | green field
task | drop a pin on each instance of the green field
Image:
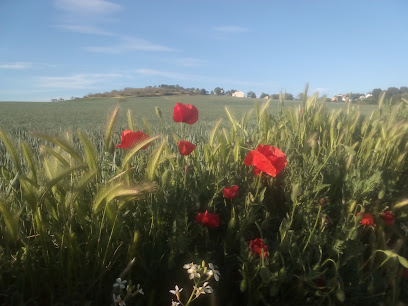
(320, 216)
(92, 113)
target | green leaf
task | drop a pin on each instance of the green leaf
(350, 150)
(154, 161)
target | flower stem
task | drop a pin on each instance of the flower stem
(314, 227)
(191, 296)
(258, 184)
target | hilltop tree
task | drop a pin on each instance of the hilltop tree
(403, 89)
(218, 91)
(376, 92)
(251, 94)
(288, 96)
(230, 92)
(391, 91)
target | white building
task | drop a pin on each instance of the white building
(238, 94)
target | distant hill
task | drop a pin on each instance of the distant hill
(149, 91)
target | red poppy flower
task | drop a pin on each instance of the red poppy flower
(367, 219)
(268, 159)
(185, 113)
(257, 245)
(130, 139)
(231, 192)
(388, 217)
(208, 219)
(185, 147)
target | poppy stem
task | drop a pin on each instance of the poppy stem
(314, 227)
(182, 131)
(258, 184)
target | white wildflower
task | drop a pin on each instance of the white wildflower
(213, 272)
(119, 282)
(206, 288)
(192, 270)
(203, 290)
(118, 300)
(139, 290)
(173, 303)
(177, 291)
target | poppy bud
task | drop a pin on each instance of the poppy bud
(243, 285)
(265, 275)
(232, 224)
(158, 113)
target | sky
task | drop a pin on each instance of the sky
(63, 48)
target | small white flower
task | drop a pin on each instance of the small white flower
(192, 270)
(206, 288)
(119, 282)
(173, 303)
(189, 265)
(213, 272)
(177, 291)
(203, 290)
(118, 300)
(139, 290)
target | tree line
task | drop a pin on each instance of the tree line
(149, 91)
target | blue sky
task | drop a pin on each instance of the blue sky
(63, 48)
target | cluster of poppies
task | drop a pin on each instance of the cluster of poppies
(186, 113)
(367, 219)
(265, 160)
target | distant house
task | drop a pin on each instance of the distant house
(238, 94)
(266, 97)
(338, 98)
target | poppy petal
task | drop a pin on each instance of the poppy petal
(193, 114)
(185, 147)
(178, 111)
(130, 139)
(258, 160)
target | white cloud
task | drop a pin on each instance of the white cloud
(86, 7)
(16, 66)
(186, 62)
(129, 44)
(230, 29)
(84, 29)
(165, 74)
(77, 81)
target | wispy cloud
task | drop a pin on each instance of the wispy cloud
(165, 74)
(129, 44)
(16, 65)
(85, 17)
(230, 29)
(77, 81)
(86, 7)
(186, 62)
(25, 65)
(84, 29)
